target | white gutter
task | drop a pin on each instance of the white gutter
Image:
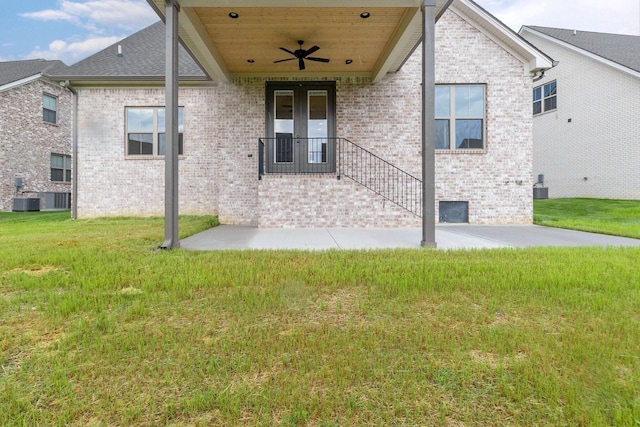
(20, 82)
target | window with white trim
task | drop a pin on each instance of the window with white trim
(60, 167)
(146, 131)
(460, 117)
(49, 108)
(545, 98)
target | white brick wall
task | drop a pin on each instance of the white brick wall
(27, 142)
(109, 183)
(219, 172)
(597, 153)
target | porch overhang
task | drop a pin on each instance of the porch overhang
(243, 37)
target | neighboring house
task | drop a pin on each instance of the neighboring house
(586, 110)
(35, 130)
(264, 143)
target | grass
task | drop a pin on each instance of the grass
(616, 217)
(99, 328)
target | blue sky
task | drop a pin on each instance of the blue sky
(71, 30)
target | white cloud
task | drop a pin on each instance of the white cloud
(95, 14)
(99, 23)
(620, 16)
(70, 53)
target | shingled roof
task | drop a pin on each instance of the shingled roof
(142, 58)
(17, 70)
(621, 49)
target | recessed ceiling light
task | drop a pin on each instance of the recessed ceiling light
(365, 15)
(349, 61)
(233, 15)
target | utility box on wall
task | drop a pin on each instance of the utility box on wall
(454, 212)
(26, 204)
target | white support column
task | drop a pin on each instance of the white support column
(171, 239)
(428, 123)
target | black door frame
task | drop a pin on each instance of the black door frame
(300, 162)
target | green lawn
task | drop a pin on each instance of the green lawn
(617, 217)
(98, 327)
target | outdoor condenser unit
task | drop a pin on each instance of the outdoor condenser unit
(26, 204)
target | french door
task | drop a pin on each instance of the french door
(301, 127)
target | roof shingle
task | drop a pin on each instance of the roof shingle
(17, 70)
(143, 55)
(619, 48)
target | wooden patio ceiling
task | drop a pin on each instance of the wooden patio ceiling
(244, 37)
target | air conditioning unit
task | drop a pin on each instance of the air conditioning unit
(26, 204)
(53, 201)
(540, 192)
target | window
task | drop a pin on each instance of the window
(460, 117)
(146, 131)
(49, 108)
(545, 98)
(60, 168)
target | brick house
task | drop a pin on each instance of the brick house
(35, 129)
(585, 125)
(266, 143)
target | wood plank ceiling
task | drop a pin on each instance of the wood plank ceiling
(250, 42)
(243, 37)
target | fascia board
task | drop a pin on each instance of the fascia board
(20, 82)
(401, 46)
(533, 59)
(195, 37)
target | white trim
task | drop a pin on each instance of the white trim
(399, 47)
(533, 59)
(194, 32)
(20, 82)
(581, 51)
(300, 3)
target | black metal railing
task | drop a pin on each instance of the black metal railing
(287, 155)
(379, 176)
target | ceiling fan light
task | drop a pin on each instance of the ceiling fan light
(234, 15)
(365, 15)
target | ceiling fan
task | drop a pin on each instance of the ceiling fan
(302, 54)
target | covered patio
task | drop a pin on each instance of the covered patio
(248, 38)
(450, 237)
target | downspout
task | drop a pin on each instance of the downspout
(74, 152)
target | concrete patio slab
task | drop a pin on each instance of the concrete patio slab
(448, 236)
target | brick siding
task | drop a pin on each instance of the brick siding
(588, 146)
(111, 183)
(218, 173)
(28, 141)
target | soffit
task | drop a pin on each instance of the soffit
(224, 46)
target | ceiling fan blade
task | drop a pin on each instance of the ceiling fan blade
(283, 60)
(288, 51)
(311, 50)
(310, 58)
(301, 64)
